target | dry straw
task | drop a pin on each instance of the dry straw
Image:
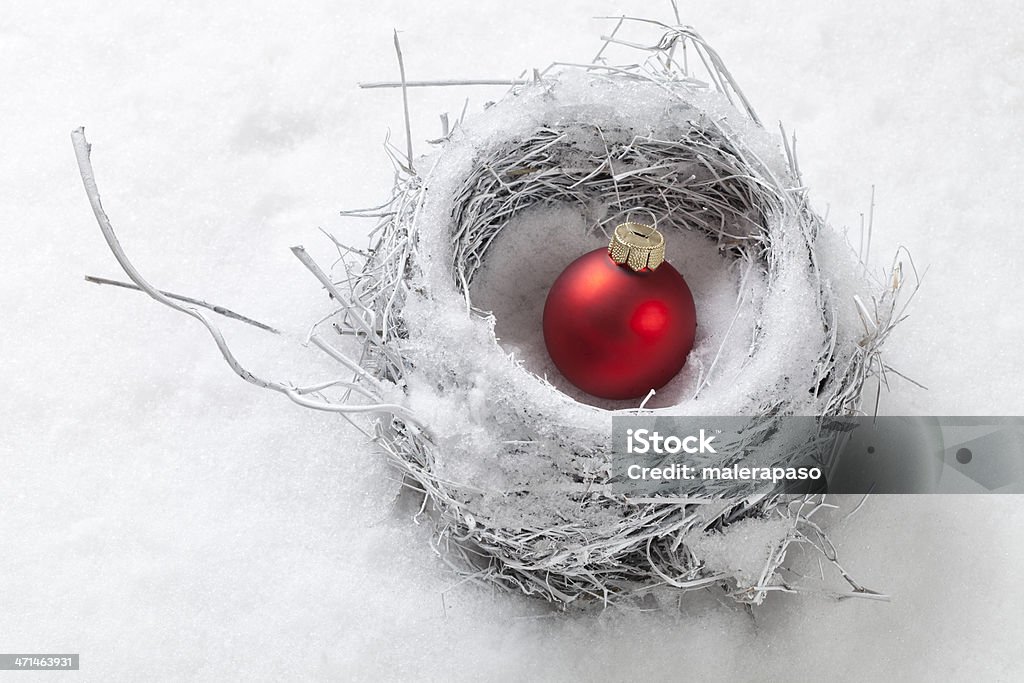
(615, 547)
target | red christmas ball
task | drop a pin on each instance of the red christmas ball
(617, 331)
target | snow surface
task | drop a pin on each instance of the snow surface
(158, 515)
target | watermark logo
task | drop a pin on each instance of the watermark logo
(644, 441)
(671, 455)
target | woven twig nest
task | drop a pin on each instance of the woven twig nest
(514, 468)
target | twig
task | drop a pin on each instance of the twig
(227, 313)
(675, 11)
(871, 223)
(332, 289)
(369, 85)
(859, 505)
(608, 41)
(82, 153)
(405, 103)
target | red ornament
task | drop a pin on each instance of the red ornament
(619, 322)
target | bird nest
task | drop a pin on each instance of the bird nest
(513, 466)
(514, 469)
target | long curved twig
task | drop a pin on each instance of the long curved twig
(82, 153)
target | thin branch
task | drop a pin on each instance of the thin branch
(405, 102)
(82, 153)
(332, 289)
(227, 313)
(369, 85)
(859, 505)
(608, 41)
(871, 222)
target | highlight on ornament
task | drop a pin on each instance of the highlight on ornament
(516, 295)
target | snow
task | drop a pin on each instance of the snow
(741, 550)
(159, 515)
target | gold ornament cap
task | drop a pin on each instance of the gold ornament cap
(637, 245)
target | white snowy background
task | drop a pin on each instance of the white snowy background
(166, 520)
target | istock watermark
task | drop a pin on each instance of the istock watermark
(659, 455)
(643, 441)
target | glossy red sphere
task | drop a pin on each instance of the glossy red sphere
(617, 333)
